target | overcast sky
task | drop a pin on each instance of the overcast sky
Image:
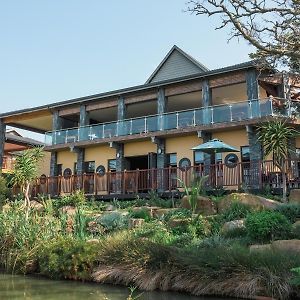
(53, 50)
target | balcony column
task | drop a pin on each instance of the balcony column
(256, 156)
(161, 163)
(120, 164)
(162, 107)
(121, 108)
(80, 160)
(253, 93)
(206, 101)
(84, 118)
(293, 156)
(2, 142)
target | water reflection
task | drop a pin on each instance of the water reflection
(30, 288)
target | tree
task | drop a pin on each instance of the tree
(26, 171)
(271, 26)
(274, 137)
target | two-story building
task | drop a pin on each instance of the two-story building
(140, 138)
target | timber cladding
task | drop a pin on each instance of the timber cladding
(151, 95)
(183, 88)
(233, 78)
(102, 104)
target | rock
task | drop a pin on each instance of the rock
(173, 223)
(93, 241)
(110, 208)
(34, 205)
(204, 205)
(259, 248)
(287, 245)
(162, 211)
(150, 209)
(294, 196)
(135, 223)
(69, 210)
(233, 225)
(254, 201)
(95, 227)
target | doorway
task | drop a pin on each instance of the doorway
(137, 162)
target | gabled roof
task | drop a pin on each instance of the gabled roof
(176, 64)
(20, 140)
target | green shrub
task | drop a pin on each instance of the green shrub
(291, 211)
(67, 258)
(76, 199)
(4, 190)
(267, 225)
(236, 211)
(113, 221)
(140, 214)
(180, 213)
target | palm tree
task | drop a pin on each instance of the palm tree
(274, 137)
(26, 171)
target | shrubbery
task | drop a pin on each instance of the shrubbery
(113, 221)
(236, 211)
(267, 225)
(291, 211)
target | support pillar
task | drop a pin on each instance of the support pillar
(84, 118)
(206, 101)
(253, 93)
(208, 159)
(162, 108)
(120, 165)
(2, 142)
(121, 115)
(256, 155)
(161, 163)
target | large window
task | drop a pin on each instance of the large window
(59, 169)
(172, 160)
(89, 167)
(112, 165)
(199, 158)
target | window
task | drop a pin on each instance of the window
(172, 160)
(112, 165)
(199, 158)
(59, 169)
(245, 153)
(89, 167)
(75, 168)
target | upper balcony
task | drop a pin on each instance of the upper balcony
(205, 116)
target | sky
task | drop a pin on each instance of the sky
(55, 50)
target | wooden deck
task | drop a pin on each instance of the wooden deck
(127, 184)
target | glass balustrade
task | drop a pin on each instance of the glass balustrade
(234, 112)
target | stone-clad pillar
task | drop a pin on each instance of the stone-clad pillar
(2, 142)
(120, 165)
(208, 159)
(121, 108)
(161, 108)
(84, 118)
(256, 156)
(206, 101)
(253, 93)
(80, 161)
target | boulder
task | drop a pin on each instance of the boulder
(233, 225)
(110, 207)
(254, 201)
(135, 223)
(173, 223)
(34, 205)
(294, 196)
(93, 241)
(260, 248)
(162, 211)
(287, 245)
(69, 210)
(150, 209)
(95, 228)
(204, 205)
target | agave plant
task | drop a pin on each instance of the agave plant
(26, 171)
(274, 137)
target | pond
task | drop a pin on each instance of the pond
(15, 287)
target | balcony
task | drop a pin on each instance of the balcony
(204, 116)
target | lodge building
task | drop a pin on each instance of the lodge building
(140, 138)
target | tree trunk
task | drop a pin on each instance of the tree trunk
(284, 187)
(27, 200)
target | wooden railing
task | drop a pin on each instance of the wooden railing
(249, 175)
(8, 163)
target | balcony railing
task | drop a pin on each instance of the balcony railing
(252, 175)
(234, 112)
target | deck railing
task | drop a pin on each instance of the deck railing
(234, 112)
(248, 175)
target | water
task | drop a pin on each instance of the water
(14, 287)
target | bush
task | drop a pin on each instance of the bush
(76, 199)
(290, 211)
(236, 211)
(267, 225)
(4, 190)
(67, 258)
(113, 221)
(140, 214)
(180, 213)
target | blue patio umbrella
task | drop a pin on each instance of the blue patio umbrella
(215, 146)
